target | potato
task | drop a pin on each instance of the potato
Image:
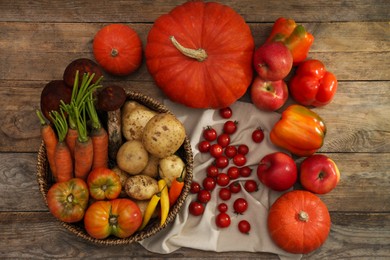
(171, 167)
(163, 135)
(151, 168)
(123, 177)
(141, 187)
(133, 122)
(132, 157)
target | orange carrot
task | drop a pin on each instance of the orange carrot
(70, 139)
(50, 140)
(100, 148)
(63, 159)
(83, 154)
(64, 162)
(99, 137)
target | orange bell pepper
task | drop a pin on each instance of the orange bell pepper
(300, 131)
(294, 36)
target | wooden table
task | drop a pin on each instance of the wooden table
(39, 38)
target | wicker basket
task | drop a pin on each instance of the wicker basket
(44, 179)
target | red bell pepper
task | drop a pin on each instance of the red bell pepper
(300, 131)
(312, 85)
(294, 36)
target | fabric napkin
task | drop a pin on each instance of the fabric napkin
(201, 232)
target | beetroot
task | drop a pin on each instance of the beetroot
(83, 65)
(52, 94)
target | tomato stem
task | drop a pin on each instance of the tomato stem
(199, 54)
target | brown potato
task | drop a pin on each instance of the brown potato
(141, 187)
(132, 157)
(151, 168)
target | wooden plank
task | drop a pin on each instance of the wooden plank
(352, 236)
(38, 51)
(251, 10)
(353, 126)
(364, 185)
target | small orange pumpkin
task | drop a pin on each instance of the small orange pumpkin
(299, 222)
(200, 54)
(118, 49)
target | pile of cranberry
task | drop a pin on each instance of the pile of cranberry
(221, 172)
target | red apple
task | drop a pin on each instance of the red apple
(268, 95)
(273, 61)
(277, 171)
(319, 174)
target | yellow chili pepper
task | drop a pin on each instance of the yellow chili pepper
(150, 209)
(163, 188)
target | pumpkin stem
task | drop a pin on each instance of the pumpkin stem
(114, 52)
(199, 54)
(303, 216)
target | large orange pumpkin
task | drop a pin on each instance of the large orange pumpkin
(299, 222)
(200, 54)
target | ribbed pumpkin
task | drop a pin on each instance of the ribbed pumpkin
(200, 54)
(299, 222)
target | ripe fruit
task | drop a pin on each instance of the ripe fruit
(196, 208)
(258, 135)
(222, 220)
(268, 95)
(226, 112)
(244, 226)
(240, 205)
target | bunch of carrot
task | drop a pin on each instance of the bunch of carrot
(74, 147)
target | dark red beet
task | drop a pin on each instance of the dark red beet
(52, 94)
(111, 98)
(83, 65)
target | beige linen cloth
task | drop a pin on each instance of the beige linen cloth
(201, 232)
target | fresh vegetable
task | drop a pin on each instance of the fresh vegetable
(151, 168)
(300, 131)
(240, 205)
(209, 183)
(299, 222)
(141, 187)
(163, 135)
(50, 140)
(204, 196)
(176, 188)
(312, 84)
(71, 138)
(111, 98)
(222, 207)
(200, 54)
(134, 121)
(118, 49)
(132, 157)
(98, 135)
(150, 209)
(196, 208)
(209, 134)
(226, 112)
(222, 220)
(244, 226)
(164, 201)
(294, 36)
(258, 135)
(118, 217)
(230, 127)
(51, 96)
(104, 183)
(68, 200)
(62, 157)
(80, 67)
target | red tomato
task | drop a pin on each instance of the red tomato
(216, 150)
(240, 205)
(223, 140)
(204, 146)
(258, 135)
(222, 220)
(224, 193)
(209, 183)
(233, 172)
(204, 196)
(235, 187)
(209, 134)
(251, 186)
(223, 179)
(104, 183)
(239, 159)
(230, 127)
(222, 207)
(244, 226)
(68, 200)
(196, 208)
(118, 217)
(226, 112)
(212, 171)
(245, 171)
(230, 151)
(221, 162)
(243, 149)
(195, 187)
